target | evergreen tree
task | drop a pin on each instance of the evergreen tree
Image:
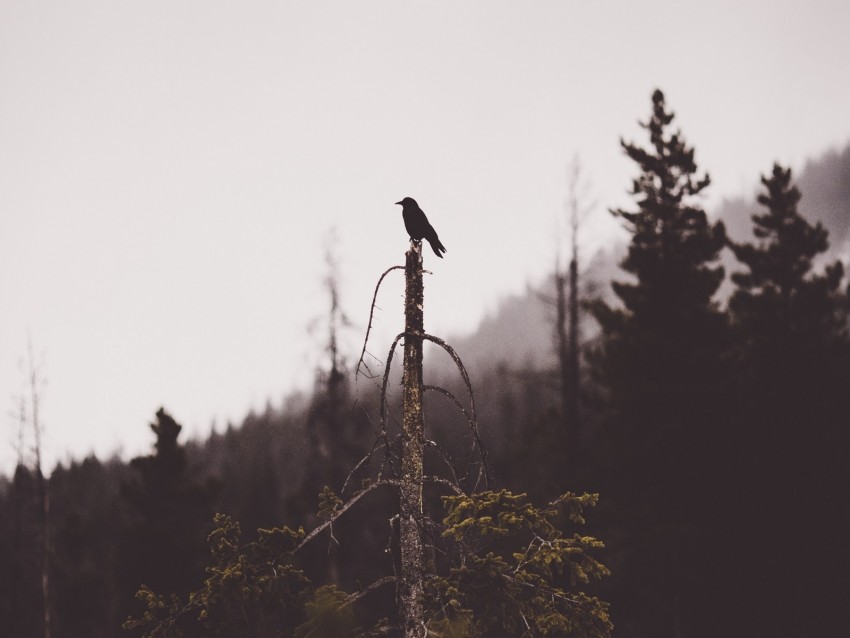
(21, 609)
(86, 530)
(786, 312)
(168, 512)
(660, 364)
(792, 328)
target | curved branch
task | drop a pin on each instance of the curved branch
(342, 510)
(352, 598)
(441, 481)
(445, 455)
(368, 374)
(473, 427)
(364, 461)
(460, 366)
(382, 412)
(387, 367)
(460, 407)
(471, 417)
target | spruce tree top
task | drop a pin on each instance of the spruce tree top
(779, 297)
(672, 241)
(782, 260)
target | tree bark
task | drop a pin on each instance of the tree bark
(412, 574)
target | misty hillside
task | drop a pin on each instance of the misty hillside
(520, 331)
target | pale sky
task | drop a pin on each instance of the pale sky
(168, 170)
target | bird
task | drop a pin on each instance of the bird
(418, 227)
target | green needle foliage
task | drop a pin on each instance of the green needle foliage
(249, 588)
(517, 573)
(514, 572)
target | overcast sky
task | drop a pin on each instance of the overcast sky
(169, 169)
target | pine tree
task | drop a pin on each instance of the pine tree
(792, 328)
(168, 510)
(780, 302)
(669, 323)
(660, 365)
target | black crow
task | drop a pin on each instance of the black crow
(418, 227)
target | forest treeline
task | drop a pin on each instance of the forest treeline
(716, 433)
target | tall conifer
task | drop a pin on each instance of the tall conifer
(168, 509)
(794, 365)
(779, 300)
(660, 362)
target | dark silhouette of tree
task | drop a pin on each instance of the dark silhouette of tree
(660, 363)
(780, 303)
(167, 512)
(30, 549)
(794, 363)
(22, 611)
(86, 525)
(334, 429)
(567, 329)
(42, 492)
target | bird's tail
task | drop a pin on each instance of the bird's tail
(437, 247)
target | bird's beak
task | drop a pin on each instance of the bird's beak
(398, 203)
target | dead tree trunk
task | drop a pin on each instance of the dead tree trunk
(565, 373)
(573, 351)
(573, 369)
(43, 499)
(413, 444)
(567, 330)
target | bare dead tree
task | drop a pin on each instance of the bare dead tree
(42, 494)
(327, 409)
(337, 319)
(411, 586)
(18, 497)
(411, 519)
(20, 430)
(567, 326)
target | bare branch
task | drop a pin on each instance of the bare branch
(460, 366)
(471, 418)
(445, 455)
(382, 412)
(364, 461)
(441, 481)
(390, 356)
(460, 407)
(368, 374)
(352, 598)
(344, 508)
